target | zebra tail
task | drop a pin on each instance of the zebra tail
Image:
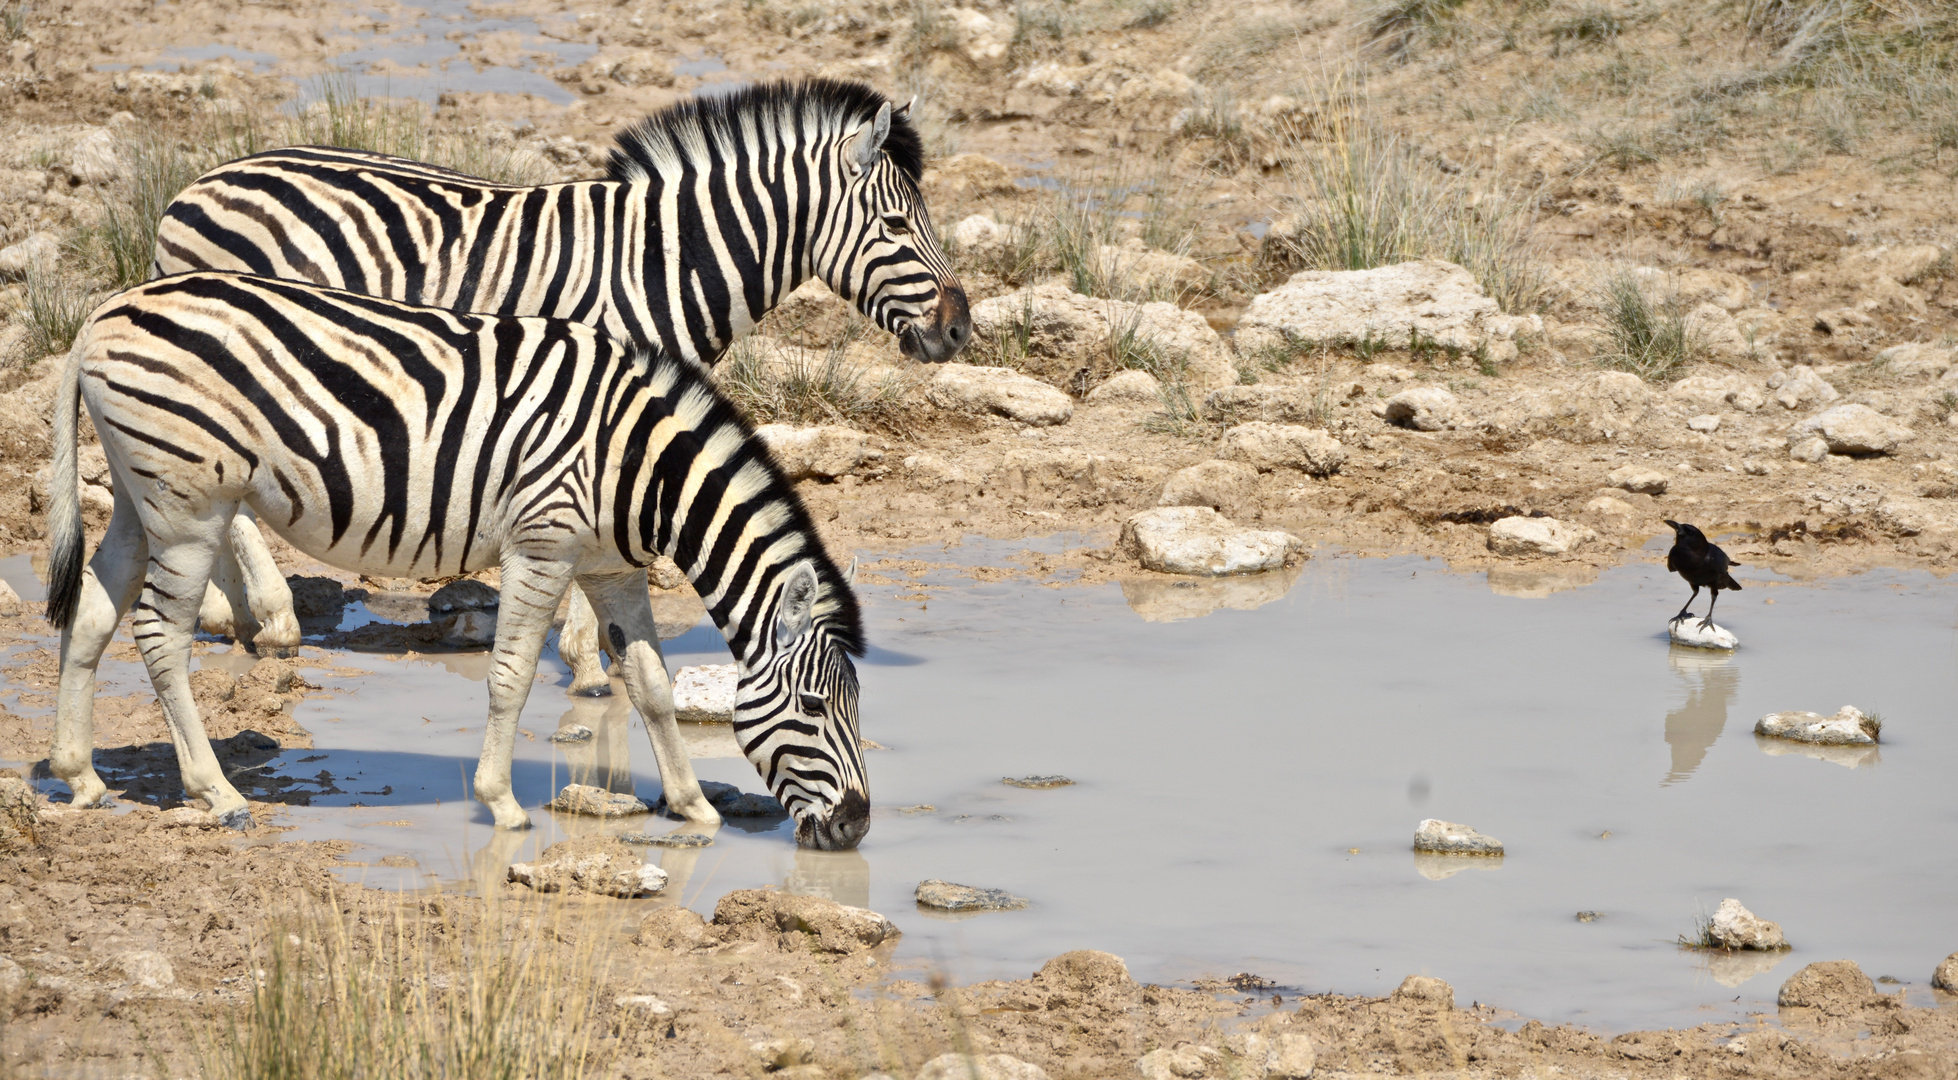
(64, 492)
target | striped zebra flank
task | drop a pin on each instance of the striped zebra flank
(409, 441)
(711, 212)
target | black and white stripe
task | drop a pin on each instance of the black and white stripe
(419, 442)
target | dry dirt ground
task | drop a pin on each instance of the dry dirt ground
(1797, 175)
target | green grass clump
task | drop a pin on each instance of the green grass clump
(1649, 340)
(809, 387)
(1400, 25)
(54, 306)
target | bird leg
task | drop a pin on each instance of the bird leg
(1707, 623)
(1688, 609)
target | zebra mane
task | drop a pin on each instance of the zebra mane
(678, 132)
(836, 605)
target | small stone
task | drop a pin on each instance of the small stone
(1000, 391)
(980, 1067)
(1946, 976)
(147, 969)
(782, 1053)
(1424, 992)
(1450, 838)
(1198, 540)
(595, 802)
(186, 817)
(1754, 468)
(1833, 986)
(643, 1005)
(1588, 916)
(1854, 429)
(673, 928)
(946, 896)
(1128, 387)
(1707, 423)
(1225, 486)
(704, 693)
(1639, 480)
(1291, 1056)
(1423, 408)
(1691, 633)
(1537, 536)
(824, 452)
(1735, 927)
(1036, 782)
(596, 864)
(1809, 448)
(1848, 727)
(1180, 1062)
(672, 840)
(573, 733)
(1266, 446)
(10, 603)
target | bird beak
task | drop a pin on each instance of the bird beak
(1674, 524)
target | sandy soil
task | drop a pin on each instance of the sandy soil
(1611, 139)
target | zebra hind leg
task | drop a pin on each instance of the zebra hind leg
(109, 586)
(183, 553)
(528, 602)
(620, 600)
(578, 646)
(267, 595)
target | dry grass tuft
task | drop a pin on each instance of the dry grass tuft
(803, 386)
(54, 306)
(1649, 340)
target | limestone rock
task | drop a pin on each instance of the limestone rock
(1063, 331)
(94, 159)
(1439, 301)
(1848, 727)
(1735, 927)
(1291, 1056)
(1452, 838)
(1736, 391)
(1425, 992)
(783, 1053)
(595, 802)
(1423, 408)
(644, 1006)
(1128, 388)
(946, 896)
(998, 391)
(1809, 448)
(1199, 540)
(20, 812)
(1266, 446)
(1854, 429)
(1144, 270)
(980, 1067)
(1282, 404)
(704, 693)
(1692, 288)
(1225, 486)
(1716, 333)
(1179, 1062)
(1833, 986)
(40, 251)
(10, 603)
(12, 976)
(675, 929)
(1946, 976)
(1800, 386)
(1705, 423)
(1912, 360)
(820, 453)
(1690, 633)
(146, 968)
(1639, 480)
(596, 864)
(977, 36)
(1516, 536)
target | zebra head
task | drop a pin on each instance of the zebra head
(879, 250)
(795, 713)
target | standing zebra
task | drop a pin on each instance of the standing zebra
(408, 441)
(712, 211)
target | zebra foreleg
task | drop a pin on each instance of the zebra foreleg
(182, 554)
(109, 586)
(578, 646)
(527, 603)
(620, 600)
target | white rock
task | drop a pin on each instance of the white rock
(1707, 392)
(1180, 1062)
(41, 251)
(147, 969)
(1809, 448)
(1800, 386)
(1707, 423)
(1855, 429)
(1910, 360)
(1424, 992)
(1848, 727)
(1944, 978)
(645, 1005)
(1199, 540)
(1735, 927)
(1389, 372)
(1715, 332)
(704, 693)
(595, 802)
(1453, 838)
(10, 603)
(1638, 479)
(999, 391)
(1128, 388)
(1689, 632)
(12, 976)
(1141, 269)
(595, 864)
(1266, 446)
(977, 36)
(94, 159)
(1225, 486)
(980, 1067)
(822, 453)
(1537, 536)
(1439, 301)
(1065, 326)
(974, 232)
(1423, 408)
(1291, 1057)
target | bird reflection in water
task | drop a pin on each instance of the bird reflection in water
(1712, 679)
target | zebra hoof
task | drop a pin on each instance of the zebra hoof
(603, 689)
(239, 820)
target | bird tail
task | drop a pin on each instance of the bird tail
(1730, 583)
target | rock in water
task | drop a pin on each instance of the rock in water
(595, 802)
(1199, 541)
(704, 694)
(946, 896)
(1946, 976)
(1450, 838)
(673, 840)
(573, 733)
(1036, 782)
(1735, 927)
(1425, 992)
(1537, 536)
(1689, 632)
(1833, 986)
(1849, 727)
(595, 864)
(10, 604)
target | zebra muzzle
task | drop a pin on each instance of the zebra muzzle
(949, 330)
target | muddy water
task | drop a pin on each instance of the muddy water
(1252, 757)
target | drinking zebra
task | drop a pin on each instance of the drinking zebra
(409, 441)
(712, 211)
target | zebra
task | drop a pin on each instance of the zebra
(711, 212)
(410, 441)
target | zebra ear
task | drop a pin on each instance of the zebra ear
(850, 575)
(870, 140)
(903, 112)
(798, 606)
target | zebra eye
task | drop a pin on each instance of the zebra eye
(896, 225)
(812, 704)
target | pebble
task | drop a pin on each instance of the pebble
(674, 840)
(1735, 927)
(1705, 422)
(1036, 782)
(1848, 727)
(704, 693)
(595, 802)
(1450, 838)
(1588, 916)
(1639, 479)
(572, 733)
(1690, 633)
(947, 896)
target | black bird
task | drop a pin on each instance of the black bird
(1702, 564)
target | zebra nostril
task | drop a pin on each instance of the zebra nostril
(956, 334)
